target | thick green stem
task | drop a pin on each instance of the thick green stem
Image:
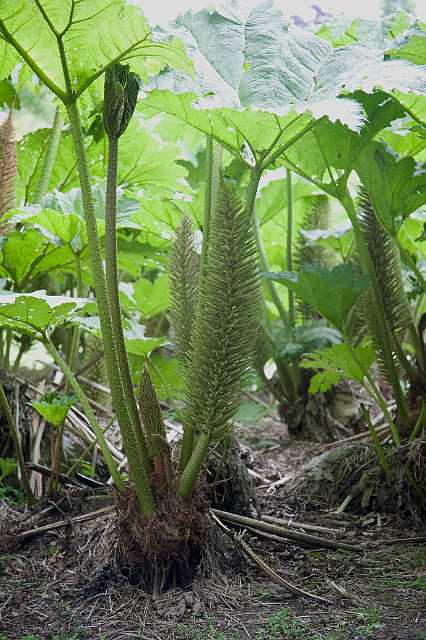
(129, 439)
(374, 391)
(368, 268)
(25, 481)
(6, 359)
(75, 338)
(269, 284)
(291, 309)
(252, 188)
(82, 399)
(111, 267)
(194, 465)
(56, 461)
(376, 441)
(420, 422)
(207, 198)
(50, 157)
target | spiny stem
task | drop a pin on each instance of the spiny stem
(25, 481)
(114, 300)
(50, 157)
(268, 282)
(129, 438)
(212, 187)
(291, 310)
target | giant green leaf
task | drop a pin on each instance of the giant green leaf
(53, 407)
(331, 292)
(396, 186)
(36, 313)
(252, 58)
(337, 362)
(412, 46)
(25, 254)
(234, 129)
(145, 296)
(68, 228)
(329, 152)
(94, 33)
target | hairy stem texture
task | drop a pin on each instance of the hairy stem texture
(111, 268)
(139, 478)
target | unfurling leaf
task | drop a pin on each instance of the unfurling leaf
(54, 407)
(120, 96)
(337, 362)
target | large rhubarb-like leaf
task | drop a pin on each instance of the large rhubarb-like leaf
(94, 34)
(36, 314)
(332, 292)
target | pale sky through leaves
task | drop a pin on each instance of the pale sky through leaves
(160, 11)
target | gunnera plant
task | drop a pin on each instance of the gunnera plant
(321, 416)
(161, 523)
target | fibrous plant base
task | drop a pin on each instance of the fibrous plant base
(353, 470)
(164, 550)
(229, 486)
(323, 417)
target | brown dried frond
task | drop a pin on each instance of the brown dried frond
(7, 165)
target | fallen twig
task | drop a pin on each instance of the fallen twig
(47, 471)
(298, 525)
(65, 523)
(278, 483)
(292, 588)
(381, 431)
(402, 540)
(295, 536)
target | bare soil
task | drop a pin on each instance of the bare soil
(49, 589)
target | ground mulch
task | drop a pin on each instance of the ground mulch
(49, 589)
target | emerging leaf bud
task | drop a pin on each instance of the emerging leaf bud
(120, 95)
